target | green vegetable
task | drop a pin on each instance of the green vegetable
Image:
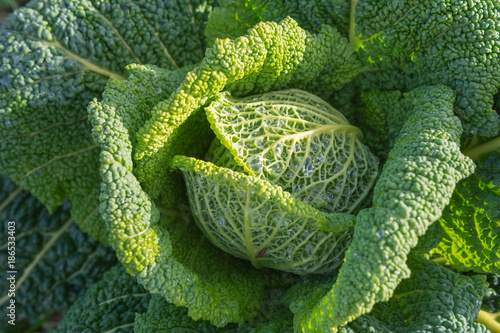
(165, 126)
(109, 305)
(432, 299)
(416, 183)
(301, 158)
(169, 257)
(297, 141)
(130, 214)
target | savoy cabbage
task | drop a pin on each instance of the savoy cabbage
(255, 166)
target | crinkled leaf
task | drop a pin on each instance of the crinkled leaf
(471, 227)
(255, 220)
(126, 105)
(269, 57)
(56, 56)
(171, 258)
(215, 286)
(127, 210)
(305, 295)
(448, 42)
(416, 183)
(432, 299)
(297, 141)
(232, 18)
(381, 119)
(54, 260)
(109, 305)
(163, 317)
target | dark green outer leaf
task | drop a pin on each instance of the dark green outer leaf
(471, 223)
(433, 299)
(55, 261)
(56, 56)
(416, 183)
(169, 257)
(450, 42)
(110, 305)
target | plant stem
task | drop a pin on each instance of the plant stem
(352, 35)
(489, 320)
(441, 260)
(170, 212)
(476, 151)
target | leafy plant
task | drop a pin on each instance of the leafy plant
(302, 137)
(54, 261)
(301, 161)
(430, 298)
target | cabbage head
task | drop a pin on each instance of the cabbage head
(281, 180)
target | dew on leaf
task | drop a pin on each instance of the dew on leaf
(260, 109)
(255, 163)
(276, 167)
(307, 167)
(278, 148)
(352, 173)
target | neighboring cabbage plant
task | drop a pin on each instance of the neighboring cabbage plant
(287, 164)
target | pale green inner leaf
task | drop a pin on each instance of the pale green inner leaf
(298, 141)
(258, 221)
